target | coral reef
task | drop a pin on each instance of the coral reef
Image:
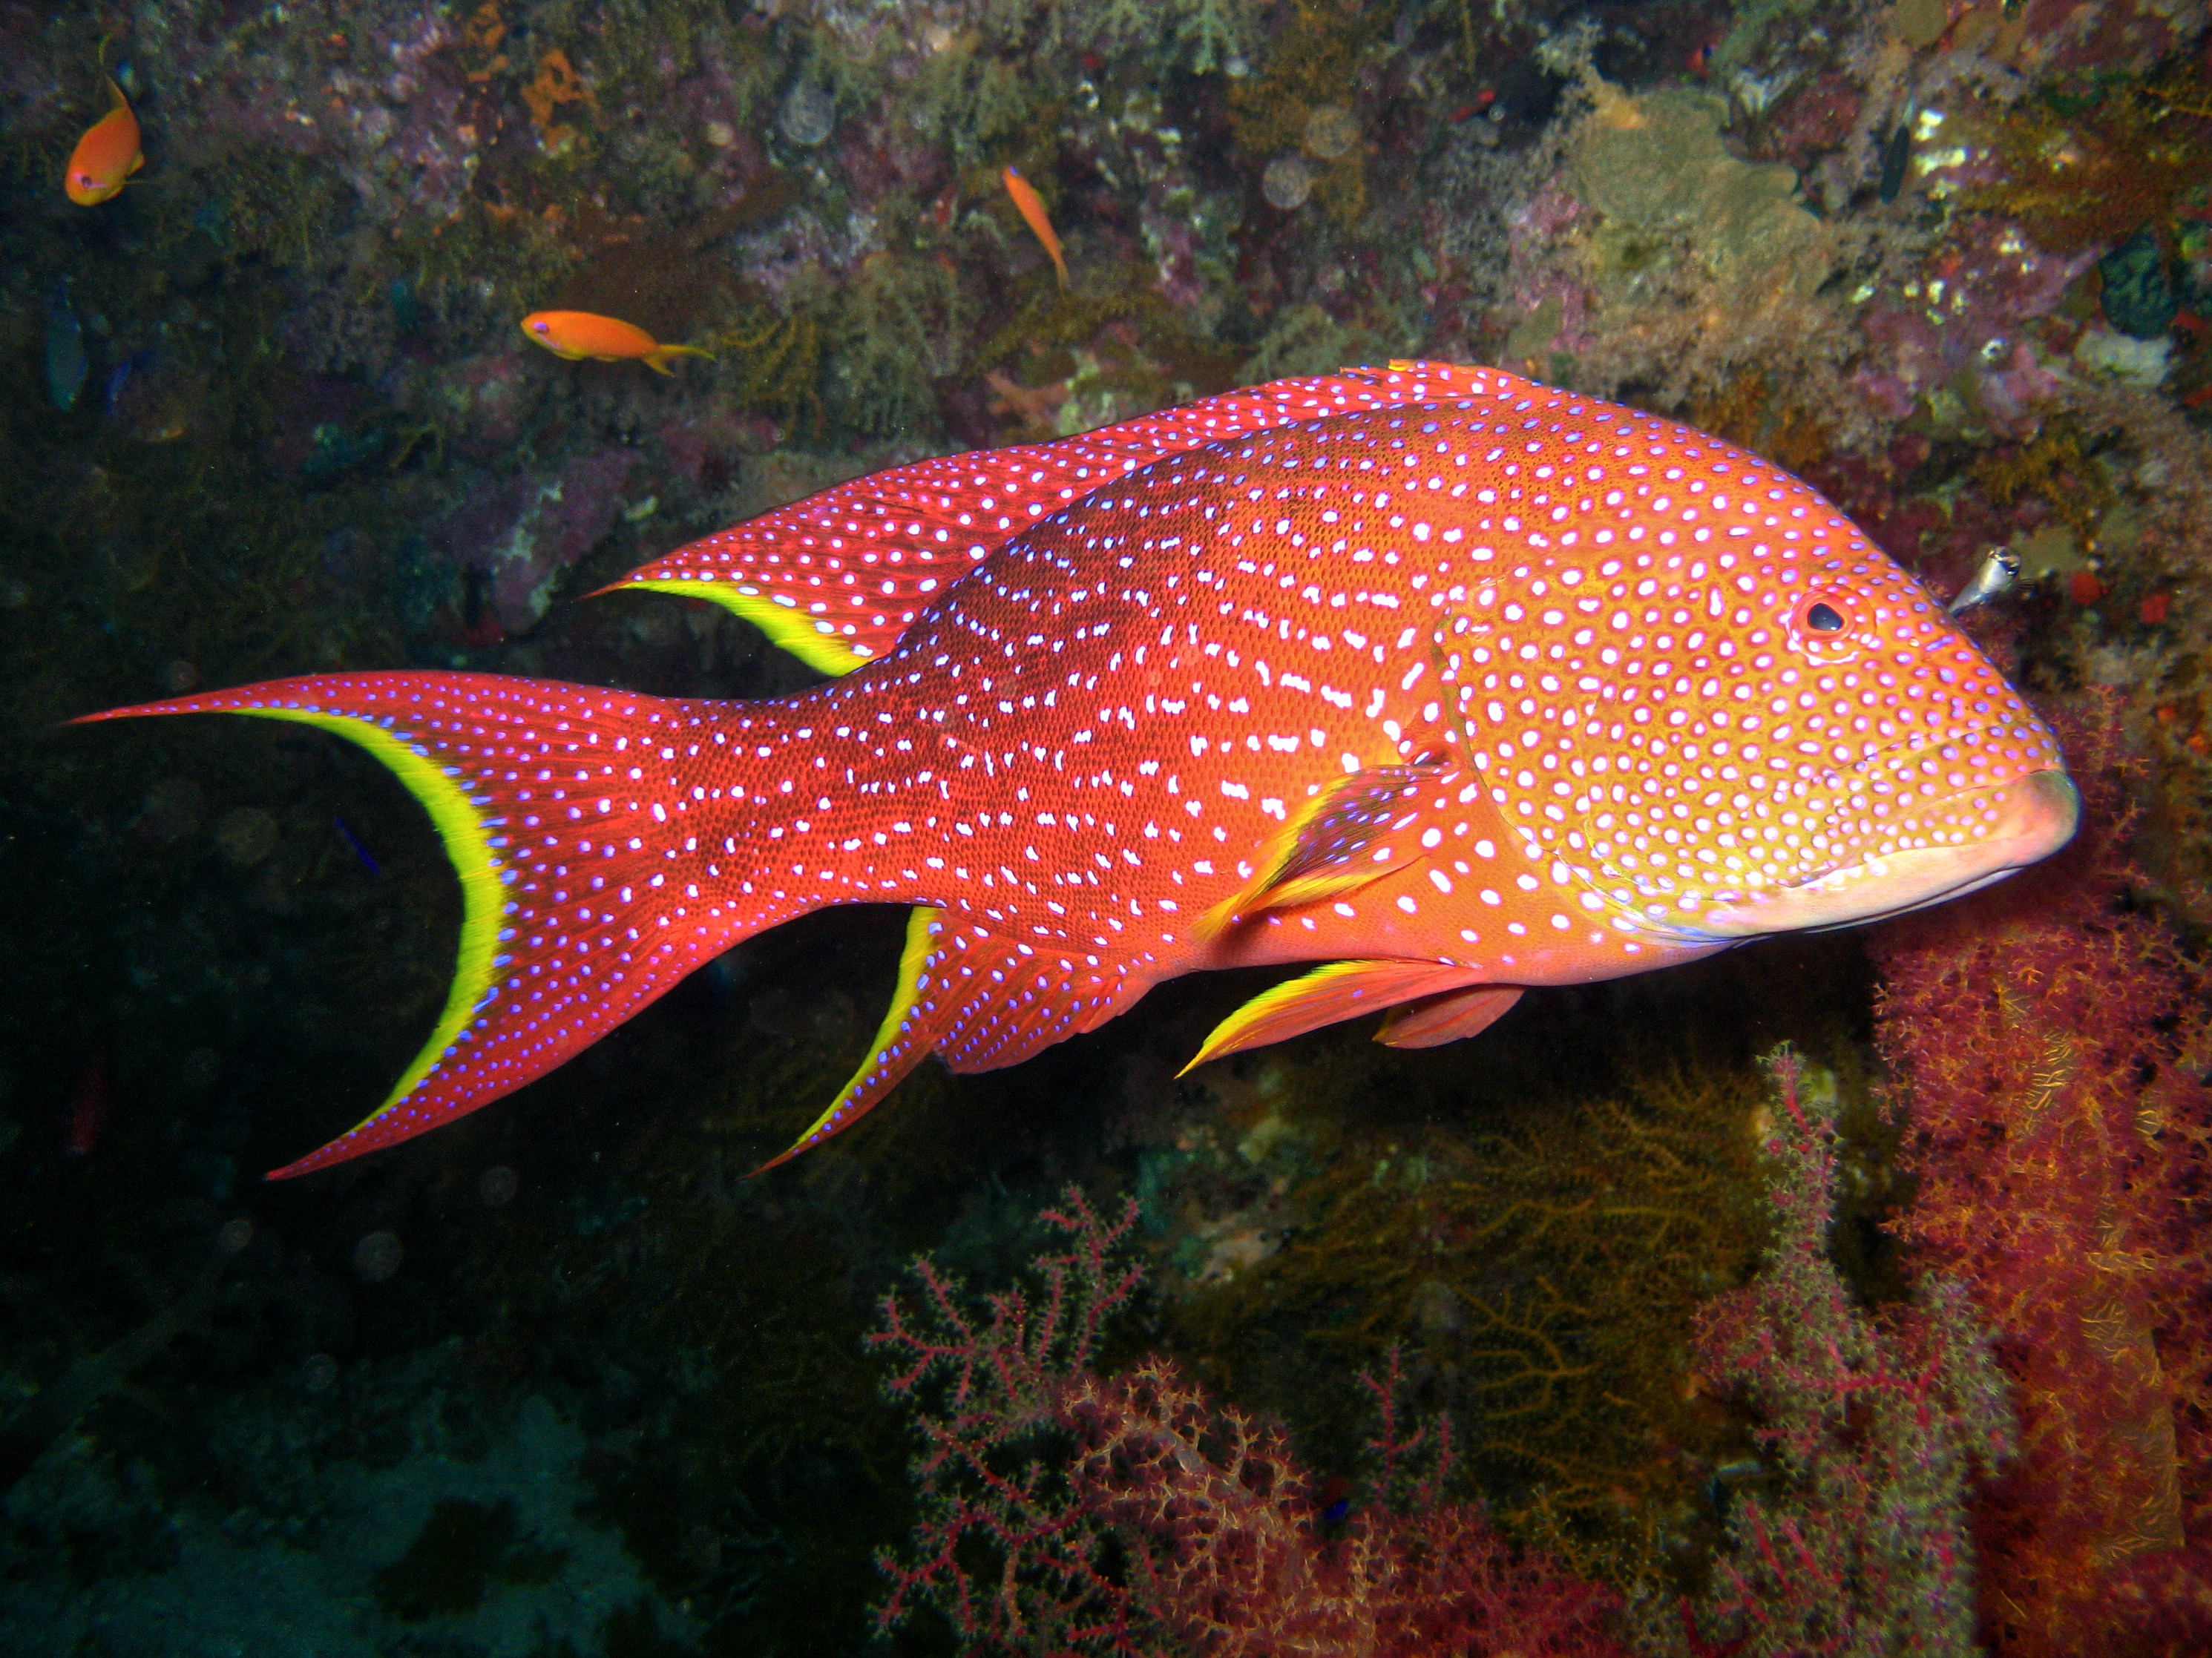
(2052, 1046)
(1548, 1275)
(267, 411)
(1173, 1525)
(1880, 1425)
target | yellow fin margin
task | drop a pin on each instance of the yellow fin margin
(785, 625)
(839, 1114)
(461, 827)
(1333, 991)
(1231, 1032)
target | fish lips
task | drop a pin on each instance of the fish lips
(2013, 824)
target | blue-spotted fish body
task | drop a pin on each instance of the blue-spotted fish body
(1450, 682)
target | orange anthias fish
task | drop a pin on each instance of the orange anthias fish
(107, 155)
(576, 335)
(1032, 208)
(1451, 684)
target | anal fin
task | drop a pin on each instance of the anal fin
(1339, 990)
(980, 998)
(909, 1030)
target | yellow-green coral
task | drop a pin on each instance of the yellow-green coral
(1547, 1276)
(775, 359)
(1656, 166)
(1313, 64)
(2103, 168)
(2052, 469)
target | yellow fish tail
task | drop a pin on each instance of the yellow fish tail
(658, 359)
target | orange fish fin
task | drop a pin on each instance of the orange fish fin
(1423, 381)
(136, 161)
(836, 578)
(909, 1032)
(1348, 835)
(1024, 995)
(658, 359)
(1337, 991)
(1457, 1014)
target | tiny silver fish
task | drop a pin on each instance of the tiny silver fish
(2000, 569)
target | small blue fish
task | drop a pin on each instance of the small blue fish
(67, 366)
(119, 378)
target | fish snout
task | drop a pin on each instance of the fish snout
(1944, 848)
(2040, 816)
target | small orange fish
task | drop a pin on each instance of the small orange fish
(576, 335)
(106, 155)
(1033, 214)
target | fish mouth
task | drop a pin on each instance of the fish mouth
(1996, 830)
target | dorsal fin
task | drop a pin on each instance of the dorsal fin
(836, 577)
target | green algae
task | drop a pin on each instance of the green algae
(1656, 166)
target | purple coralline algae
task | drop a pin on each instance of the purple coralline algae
(521, 534)
(1967, 311)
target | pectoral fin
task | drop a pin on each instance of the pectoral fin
(1340, 990)
(1343, 838)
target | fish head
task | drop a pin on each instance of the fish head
(1924, 775)
(88, 187)
(1708, 696)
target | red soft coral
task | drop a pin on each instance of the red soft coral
(2053, 1044)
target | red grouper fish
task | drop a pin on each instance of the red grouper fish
(1449, 683)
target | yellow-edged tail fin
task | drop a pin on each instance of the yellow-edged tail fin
(563, 842)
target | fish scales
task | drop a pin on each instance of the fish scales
(1496, 689)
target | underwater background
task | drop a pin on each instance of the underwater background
(1622, 1328)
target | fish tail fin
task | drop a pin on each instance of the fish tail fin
(567, 812)
(660, 357)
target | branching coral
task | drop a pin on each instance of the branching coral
(1880, 1424)
(2051, 469)
(1550, 1277)
(2092, 173)
(1312, 66)
(1064, 1512)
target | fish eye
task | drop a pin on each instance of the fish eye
(1825, 619)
